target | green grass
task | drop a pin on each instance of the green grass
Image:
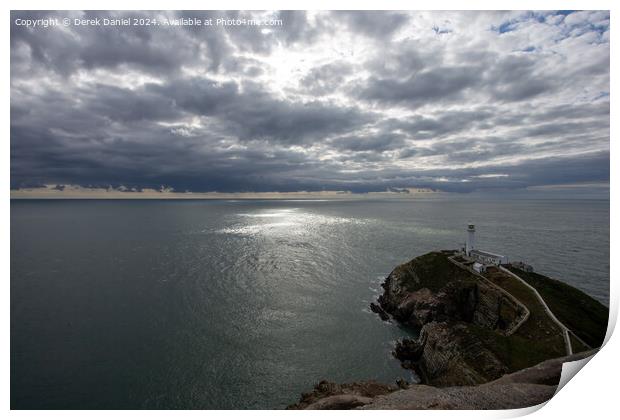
(582, 314)
(516, 351)
(433, 271)
(539, 327)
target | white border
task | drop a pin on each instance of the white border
(591, 395)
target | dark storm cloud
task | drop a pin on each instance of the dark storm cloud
(118, 161)
(252, 114)
(379, 24)
(102, 47)
(515, 78)
(297, 28)
(422, 128)
(427, 87)
(369, 142)
(155, 51)
(509, 79)
(126, 105)
(554, 170)
(326, 78)
(401, 61)
(358, 101)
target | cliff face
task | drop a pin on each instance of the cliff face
(430, 288)
(446, 354)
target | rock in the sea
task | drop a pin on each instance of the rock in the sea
(408, 349)
(379, 310)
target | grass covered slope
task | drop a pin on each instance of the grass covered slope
(516, 351)
(537, 339)
(432, 271)
(582, 314)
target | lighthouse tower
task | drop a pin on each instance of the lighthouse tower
(471, 239)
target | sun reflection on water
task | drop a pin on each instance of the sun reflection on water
(282, 222)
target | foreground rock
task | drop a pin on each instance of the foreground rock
(328, 395)
(525, 388)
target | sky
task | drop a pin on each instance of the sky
(325, 101)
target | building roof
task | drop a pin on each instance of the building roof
(486, 253)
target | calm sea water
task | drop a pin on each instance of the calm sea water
(245, 304)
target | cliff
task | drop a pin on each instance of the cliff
(485, 341)
(474, 329)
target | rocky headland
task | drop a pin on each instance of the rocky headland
(485, 341)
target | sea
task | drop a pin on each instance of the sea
(245, 304)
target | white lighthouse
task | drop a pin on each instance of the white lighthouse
(478, 256)
(471, 239)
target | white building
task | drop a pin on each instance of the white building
(479, 268)
(488, 258)
(481, 257)
(470, 244)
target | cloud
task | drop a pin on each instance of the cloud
(377, 24)
(437, 85)
(326, 78)
(356, 101)
(250, 113)
(369, 142)
(515, 78)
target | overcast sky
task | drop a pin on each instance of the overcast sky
(358, 101)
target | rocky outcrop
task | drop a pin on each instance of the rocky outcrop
(379, 311)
